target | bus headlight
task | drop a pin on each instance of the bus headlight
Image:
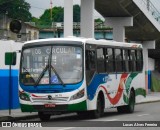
(78, 95)
(24, 96)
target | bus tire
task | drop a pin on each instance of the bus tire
(121, 109)
(82, 114)
(44, 117)
(130, 107)
(100, 107)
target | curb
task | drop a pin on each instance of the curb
(158, 100)
(10, 118)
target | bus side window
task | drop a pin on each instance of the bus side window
(133, 59)
(109, 60)
(100, 60)
(126, 60)
(118, 60)
(139, 60)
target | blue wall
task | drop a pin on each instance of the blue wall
(5, 96)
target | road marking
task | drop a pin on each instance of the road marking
(68, 128)
(102, 119)
(144, 115)
(112, 120)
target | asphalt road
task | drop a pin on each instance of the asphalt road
(145, 114)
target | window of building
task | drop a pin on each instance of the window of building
(29, 35)
(35, 35)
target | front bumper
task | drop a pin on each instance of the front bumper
(82, 106)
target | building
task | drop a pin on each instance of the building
(28, 31)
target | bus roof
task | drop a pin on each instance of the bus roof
(86, 40)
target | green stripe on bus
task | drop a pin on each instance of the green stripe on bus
(126, 99)
(27, 108)
(82, 106)
(129, 81)
(138, 91)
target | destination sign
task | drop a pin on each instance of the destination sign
(55, 50)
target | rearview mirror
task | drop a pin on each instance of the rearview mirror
(10, 58)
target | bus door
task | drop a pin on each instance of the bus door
(90, 58)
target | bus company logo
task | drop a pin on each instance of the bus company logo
(106, 79)
(49, 97)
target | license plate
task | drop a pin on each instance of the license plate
(49, 105)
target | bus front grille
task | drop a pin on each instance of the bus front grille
(56, 99)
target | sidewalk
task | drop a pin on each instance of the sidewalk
(150, 97)
(18, 115)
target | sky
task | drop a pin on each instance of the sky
(38, 6)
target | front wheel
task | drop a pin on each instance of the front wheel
(44, 117)
(100, 108)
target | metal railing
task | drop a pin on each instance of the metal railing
(151, 9)
(76, 25)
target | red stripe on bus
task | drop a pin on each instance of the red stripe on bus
(118, 95)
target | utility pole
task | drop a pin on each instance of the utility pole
(51, 10)
(51, 17)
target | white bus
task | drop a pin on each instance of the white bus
(80, 75)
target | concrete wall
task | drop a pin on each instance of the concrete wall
(141, 4)
(151, 64)
(148, 62)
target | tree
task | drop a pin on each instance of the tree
(76, 13)
(57, 15)
(34, 19)
(99, 20)
(16, 9)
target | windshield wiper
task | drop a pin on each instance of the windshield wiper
(54, 70)
(43, 72)
(49, 67)
(57, 75)
(41, 75)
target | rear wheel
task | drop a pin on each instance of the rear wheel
(130, 107)
(44, 117)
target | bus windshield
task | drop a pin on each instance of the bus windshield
(51, 65)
